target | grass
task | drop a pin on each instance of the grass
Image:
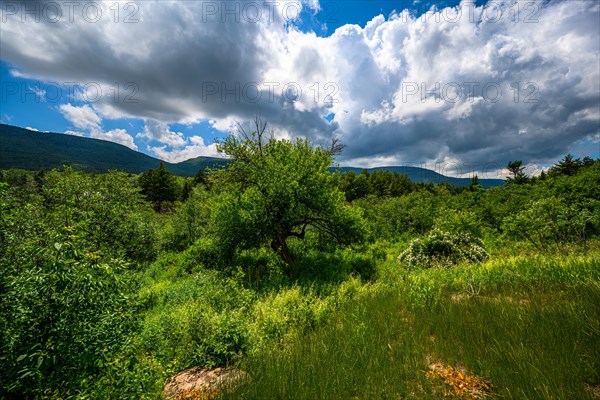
(531, 330)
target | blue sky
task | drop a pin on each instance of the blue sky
(176, 78)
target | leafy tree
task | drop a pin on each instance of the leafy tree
(159, 185)
(569, 166)
(190, 221)
(277, 190)
(551, 220)
(359, 187)
(516, 168)
(200, 178)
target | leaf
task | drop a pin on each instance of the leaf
(58, 246)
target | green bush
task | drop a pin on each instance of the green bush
(552, 220)
(443, 249)
(63, 311)
(190, 221)
(198, 319)
(456, 221)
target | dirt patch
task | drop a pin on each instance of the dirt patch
(202, 384)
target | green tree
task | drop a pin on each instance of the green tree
(159, 185)
(567, 166)
(516, 168)
(277, 189)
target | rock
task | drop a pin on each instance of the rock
(201, 383)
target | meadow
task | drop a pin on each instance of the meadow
(317, 285)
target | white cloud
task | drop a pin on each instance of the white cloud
(187, 66)
(160, 132)
(195, 148)
(31, 129)
(83, 117)
(116, 135)
(74, 133)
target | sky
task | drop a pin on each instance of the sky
(460, 87)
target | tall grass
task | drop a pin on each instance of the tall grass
(533, 331)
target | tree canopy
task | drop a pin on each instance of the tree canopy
(282, 189)
(517, 169)
(159, 185)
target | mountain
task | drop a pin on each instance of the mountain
(424, 175)
(25, 149)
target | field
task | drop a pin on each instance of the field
(316, 285)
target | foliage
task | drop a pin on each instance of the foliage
(551, 220)
(569, 166)
(64, 310)
(522, 338)
(391, 217)
(159, 186)
(107, 210)
(443, 249)
(380, 183)
(456, 221)
(278, 190)
(126, 296)
(516, 168)
(190, 221)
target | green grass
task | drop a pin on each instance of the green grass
(532, 331)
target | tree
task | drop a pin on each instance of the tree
(516, 169)
(279, 189)
(159, 185)
(474, 185)
(567, 166)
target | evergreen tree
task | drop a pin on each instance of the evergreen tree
(159, 185)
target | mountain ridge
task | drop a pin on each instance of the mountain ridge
(32, 150)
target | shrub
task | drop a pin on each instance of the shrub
(457, 221)
(552, 220)
(443, 249)
(63, 311)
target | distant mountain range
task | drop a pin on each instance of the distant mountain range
(25, 149)
(425, 175)
(30, 150)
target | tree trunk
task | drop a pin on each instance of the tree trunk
(280, 247)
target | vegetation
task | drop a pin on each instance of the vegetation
(275, 190)
(318, 284)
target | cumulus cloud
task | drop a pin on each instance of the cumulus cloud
(195, 148)
(473, 84)
(85, 117)
(160, 132)
(115, 135)
(174, 146)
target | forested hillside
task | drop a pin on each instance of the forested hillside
(24, 149)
